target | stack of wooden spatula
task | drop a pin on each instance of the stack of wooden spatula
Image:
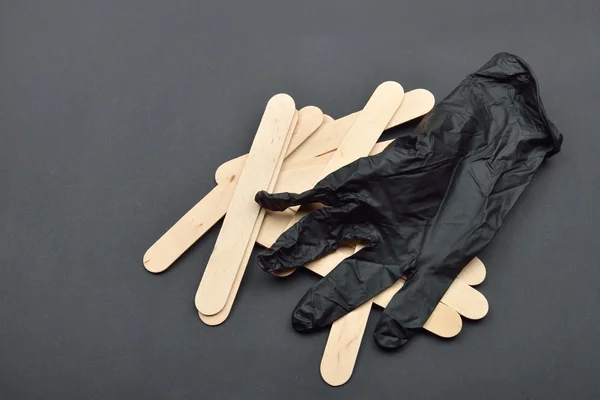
(291, 152)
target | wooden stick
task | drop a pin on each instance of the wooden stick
(208, 211)
(263, 163)
(221, 316)
(347, 332)
(361, 137)
(343, 344)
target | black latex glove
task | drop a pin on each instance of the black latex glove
(425, 206)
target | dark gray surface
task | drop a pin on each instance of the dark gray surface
(114, 116)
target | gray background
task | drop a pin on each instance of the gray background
(114, 116)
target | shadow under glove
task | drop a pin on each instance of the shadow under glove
(424, 207)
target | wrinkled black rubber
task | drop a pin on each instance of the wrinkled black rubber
(425, 206)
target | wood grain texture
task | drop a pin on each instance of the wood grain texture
(343, 345)
(264, 161)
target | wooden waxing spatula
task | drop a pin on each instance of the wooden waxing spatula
(222, 315)
(260, 170)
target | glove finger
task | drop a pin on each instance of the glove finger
(390, 334)
(281, 201)
(320, 232)
(409, 309)
(354, 281)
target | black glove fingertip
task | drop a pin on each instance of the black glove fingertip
(302, 320)
(262, 198)
(390, 335)
(304, 314)
(266, 261)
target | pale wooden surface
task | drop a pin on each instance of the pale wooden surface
(222, 315)
(265, 157)
(367, 127)
(361, 136)
(343, 344)
(473, 273)
(208, 211)
(345, 337)
(193, 224)
(309, 120)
